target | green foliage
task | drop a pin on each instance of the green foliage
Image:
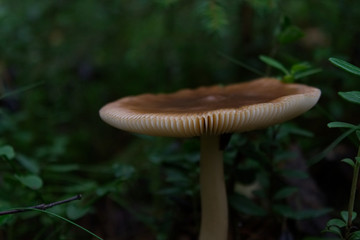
(342, 125)
(273, 63)
(336, 226)
(287, 212)
(345, 66)
(288, 32)
(285, 193)
(353, 96)
(61, 61)
(166, 3)
(297, 71)
(246, 206)
(213, 16)
(264, 163)
(344, 227)
(7, 152)
(32, 181)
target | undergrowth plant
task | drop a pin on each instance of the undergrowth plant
(23, 173)
(264, 168)
(296, 71)
(344, 227)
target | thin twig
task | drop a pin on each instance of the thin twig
(41, 206)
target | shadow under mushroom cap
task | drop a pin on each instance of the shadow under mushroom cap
(211, 110)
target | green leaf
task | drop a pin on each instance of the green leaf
(286, 211)
(355, 235)
(287, 128)
(357, 159)
(214, 16)
(290, 34)
(246, 206)
(349, 161)
(299, 67)
(345, 215)
(353, 96)
(82, 187)
(122, 171)
(345, 65)
(285, 192)
(166, 3)
(274, 63)
(28, 163)
(7, 152)
(5, 219)
(358, 134)
(334, 229)
(301, 132)
(74, 212)
(336, 222)
(63, 167)
(288, 79)
(341, 125)
(284, 156)
(293, 173)
(306, 73)
(31, 181)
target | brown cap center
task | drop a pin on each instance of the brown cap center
(207, 98)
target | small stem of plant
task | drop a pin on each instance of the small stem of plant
(353, 191)
(67, 220)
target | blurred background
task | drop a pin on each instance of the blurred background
(61, 61)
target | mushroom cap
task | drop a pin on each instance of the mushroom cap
(211, 110)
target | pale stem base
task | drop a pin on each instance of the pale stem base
(214, 209)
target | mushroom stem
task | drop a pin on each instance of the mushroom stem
(214, 212)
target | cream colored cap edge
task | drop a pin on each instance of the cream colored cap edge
(212, 122)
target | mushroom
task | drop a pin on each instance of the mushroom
(209, 112)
